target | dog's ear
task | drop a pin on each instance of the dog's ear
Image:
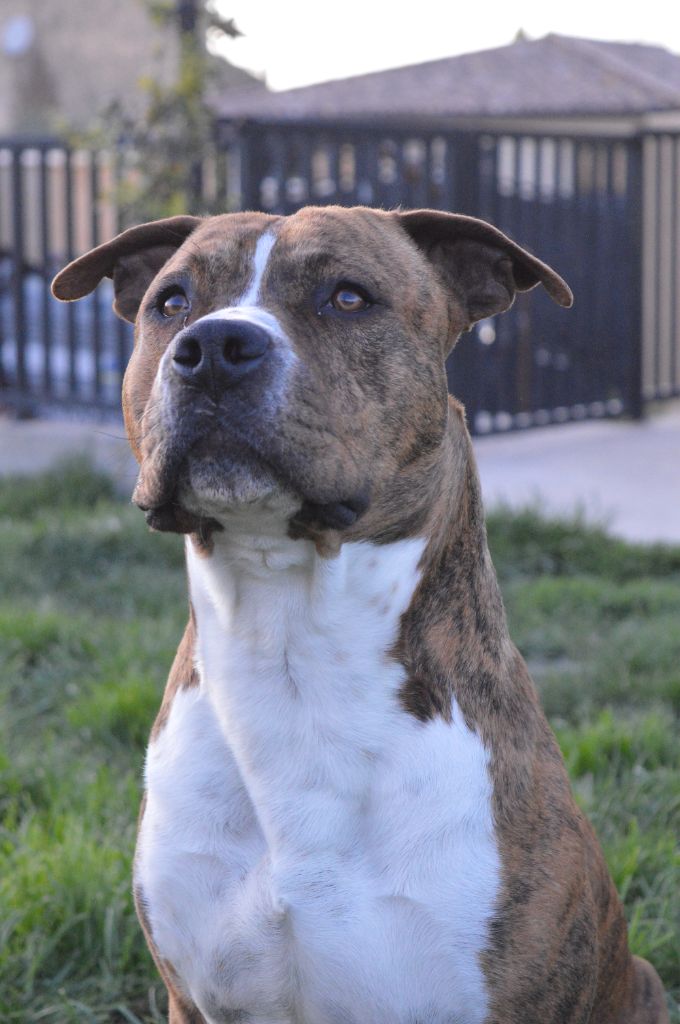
(132, 259)
(482, 266)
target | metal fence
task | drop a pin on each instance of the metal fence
(660, 200)
(575, 202)
(54, 204)
(602, 211)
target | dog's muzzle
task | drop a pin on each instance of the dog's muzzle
(220, 353)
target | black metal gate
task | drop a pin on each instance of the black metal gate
(575, 202)
(54, 204)
(591, 207)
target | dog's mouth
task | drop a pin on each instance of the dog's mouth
(196, 491)
(191, 480)
(201, 471)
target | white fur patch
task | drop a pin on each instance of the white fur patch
(310, 853)
(247, 309)
(263, 248)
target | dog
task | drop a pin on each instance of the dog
(355, 811)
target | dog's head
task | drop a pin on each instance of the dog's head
(298, 362)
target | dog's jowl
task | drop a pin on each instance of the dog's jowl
(355, 811)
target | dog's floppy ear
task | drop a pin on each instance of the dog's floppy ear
(479, 263)
(132, 259)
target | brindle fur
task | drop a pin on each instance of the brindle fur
(369, 429)
(558, 952)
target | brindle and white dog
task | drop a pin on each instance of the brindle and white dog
(355, 810)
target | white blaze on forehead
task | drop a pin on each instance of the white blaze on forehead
(248, 314)
(265, 244)
(246, 308)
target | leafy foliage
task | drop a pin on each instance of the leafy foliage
(161, 156)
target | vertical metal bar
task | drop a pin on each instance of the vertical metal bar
(70, 309)
(599, 297)
(517, 195)
(18, 267)
(649, 264)
(96, 339)
(675, 269)
(520, 399)
(121, 328)
(399, 143)
(509, 350)
(3, 325)
(333, 168)
(447, 185)
(363, 191)
(634, 263)
(428, 184)
(488, 174)
(584, 230)
(658, 258)
(308, 144)
(615, 230)
(420, 183)
(250, 167)
(557, 328)
(273, 165)
(465, 363)
(356, 143)
(466, 173)
(221, 174)
(47, 301)
(665, 265)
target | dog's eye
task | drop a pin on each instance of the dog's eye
(348, 300)
(173, 303)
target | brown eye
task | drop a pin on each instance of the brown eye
(175, 303)
(348, 300)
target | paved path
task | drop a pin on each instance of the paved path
(625, 474)
(31, 446)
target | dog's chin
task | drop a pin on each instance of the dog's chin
(199, 491)
(193, 492)
(223, 490)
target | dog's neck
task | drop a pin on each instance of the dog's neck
(294, 655)
(307, 663)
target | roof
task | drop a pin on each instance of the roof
(555, 75)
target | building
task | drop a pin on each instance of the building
(556, 82)
(571, 145)
(66, 62)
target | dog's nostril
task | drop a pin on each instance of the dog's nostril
(188, 353)
(242, 350)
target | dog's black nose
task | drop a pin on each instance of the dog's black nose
(219, 352)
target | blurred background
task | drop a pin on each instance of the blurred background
(559, 123)
(546, 124)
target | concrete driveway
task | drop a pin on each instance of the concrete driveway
(624, 474)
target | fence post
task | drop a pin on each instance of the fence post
(18, 266)
(466, 173)
(250, 167)
(634, 207)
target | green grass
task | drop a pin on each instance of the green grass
(91, 608)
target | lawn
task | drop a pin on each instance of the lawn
(91, 608)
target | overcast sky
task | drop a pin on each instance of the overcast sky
(295, 42)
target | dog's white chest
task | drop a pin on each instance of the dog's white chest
(310, 853)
